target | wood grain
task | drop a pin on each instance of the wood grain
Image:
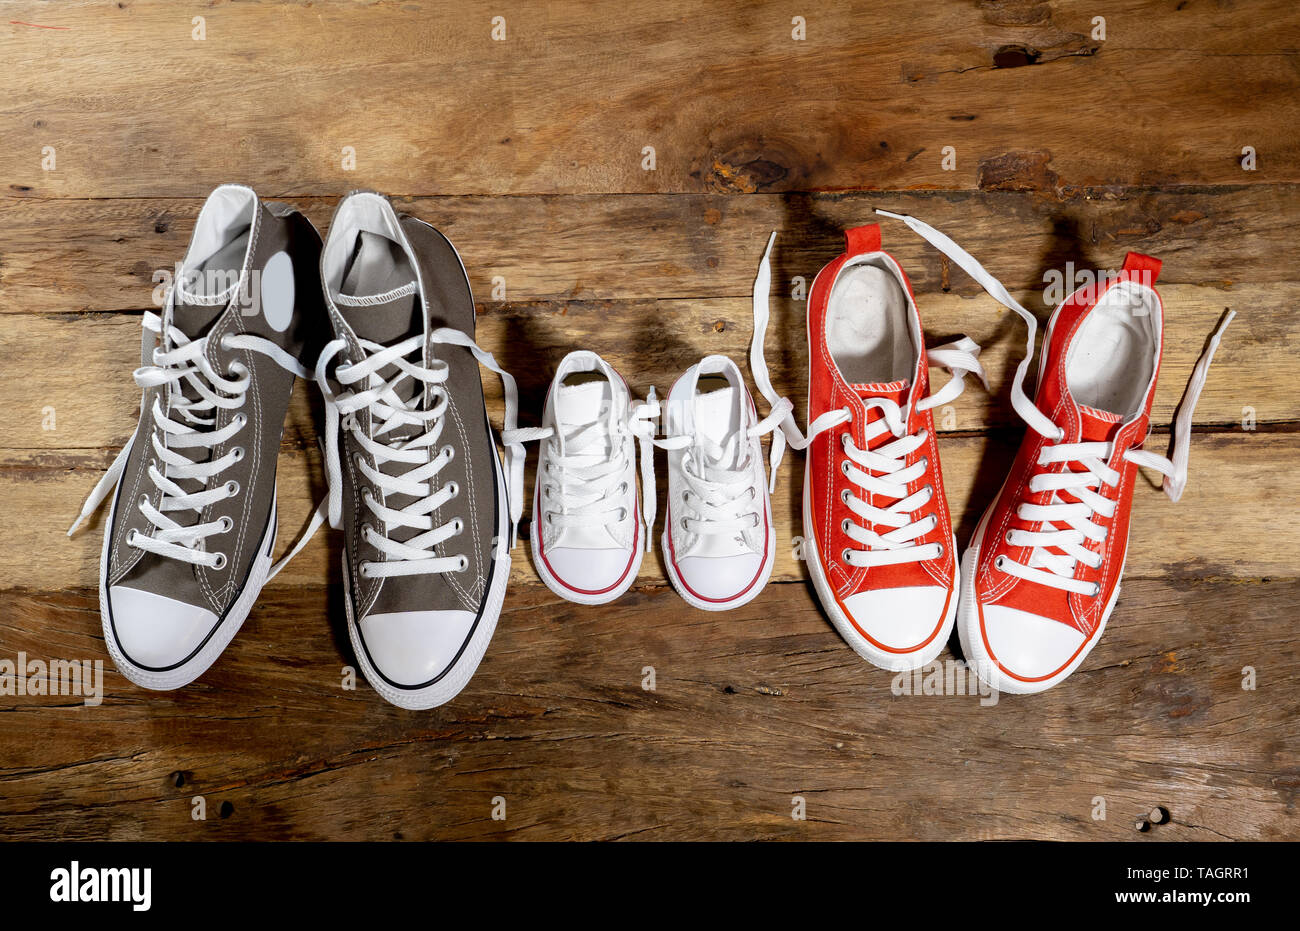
(655, 341)
(72, 255)
(528, 153)
(750, 709)
(566, 103)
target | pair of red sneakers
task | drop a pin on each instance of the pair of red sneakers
(1034, 589)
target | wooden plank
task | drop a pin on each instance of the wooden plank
(1232, 474)
(750, 709)
(72, 255)
(651, 343)
(730, 101)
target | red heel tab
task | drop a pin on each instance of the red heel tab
(1144, 269)
(862, 239)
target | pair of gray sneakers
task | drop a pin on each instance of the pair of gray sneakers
(381, 315)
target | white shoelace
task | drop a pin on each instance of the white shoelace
(882, 471)
(1067, 525)
(719, 497)
(389, 411)
(591, 494)
(186, 363)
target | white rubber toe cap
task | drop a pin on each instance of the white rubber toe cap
(154, 631)
(719, 578)
(900, 619)
(588, 570)
(409, 648)
(1027, 645)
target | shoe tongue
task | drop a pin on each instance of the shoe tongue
(713, 418)
(582, 405)
(895, 391)
(1097, 425)
(205, 289)
(379, 299)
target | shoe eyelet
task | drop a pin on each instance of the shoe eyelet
(844, 556)
(449, 452)
(220, 562)
(457, 525)
(226, 525)
(238, 453)
(999, 563)
(144, 499)
(1096, 589)
(925, 462)
(844, 440)
(844, 466)
(1007, 538)
(224, 342)
(844, 496)
(240, 420)
(463, 564)
(844, 525)
(939, 555)
(131, 537)
(232, 488)
(364, 570)
(454, 488)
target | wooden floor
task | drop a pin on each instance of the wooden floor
(530, 153)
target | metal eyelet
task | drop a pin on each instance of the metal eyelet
(226, 524)
(1096, 589)
(454, 488)
(224, 342)
(463, 565)
(844, 496)
(144, 499)
(131, 536)
(999, 563)
(367, 528)
(457, 525)
(238, 453)
(232, 488)
(844, 440)
(364, 570)
(844, 525)
(241, 420)
(941, 550)
(844, 466)
(1007, 538)
(844, 556)
(220, 562)
(449, 452)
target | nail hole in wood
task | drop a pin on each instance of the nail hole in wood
(1015, 56)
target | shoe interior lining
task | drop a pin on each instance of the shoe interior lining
(1112, 357)
(215, 259)
(868, 330)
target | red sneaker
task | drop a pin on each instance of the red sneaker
(877, 537)
(1043, 569)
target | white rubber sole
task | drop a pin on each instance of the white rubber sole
(893, 662)
(972, 641)
(457, 677)
(760, 583)
(216, 644)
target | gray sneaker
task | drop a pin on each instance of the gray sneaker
(415, 482)
(188, 543)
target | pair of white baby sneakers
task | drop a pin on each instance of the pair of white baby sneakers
(590, 527)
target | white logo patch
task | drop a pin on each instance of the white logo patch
(277, 291)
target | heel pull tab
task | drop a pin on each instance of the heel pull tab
(862, 239)
(1144, 269)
